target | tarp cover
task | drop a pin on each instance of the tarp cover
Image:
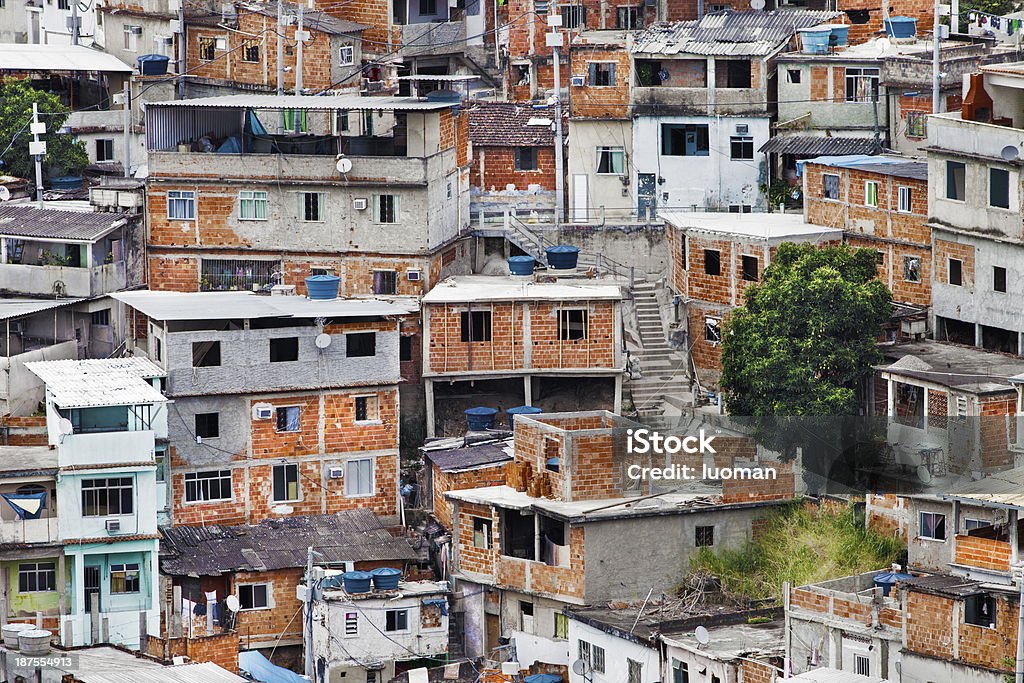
(260, 668)
(26, 505)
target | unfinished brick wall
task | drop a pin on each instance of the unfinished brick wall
(752, 671)
(458, 481)
(24, 431)
(706, 354)
(984, 553)
(887, 515)
(173, 274)
(862, 33)
(945, 250)
(537, 577)
(219, 648)
(996, 428)
(493, 168)
(700, 285)
(381, 36)
(759, 490)
(992, 647)
(268, 625)
(601, 102)
(471, 558)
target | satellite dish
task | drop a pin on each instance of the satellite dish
(322, 341)
(580, 667)
(757, 5)
(231, 602)
(65, 427)
(5, 194)
(344, 165)
(1008, 153)
(702, 636)
(883, 45)
(924, 474)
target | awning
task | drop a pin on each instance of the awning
(47, 58)
(260, 668)
(808, 145)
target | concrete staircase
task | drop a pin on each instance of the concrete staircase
(665, 370)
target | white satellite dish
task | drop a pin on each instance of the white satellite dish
(1008, 153)
(702, 636)
(322, 341)
(882, 45)
(757, 5)
(344, 165)
(65, 427)
(924, 474)
(5, 194)
(231, 602)
(580, 667)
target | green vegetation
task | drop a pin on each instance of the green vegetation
(799, 546)
(64, 155)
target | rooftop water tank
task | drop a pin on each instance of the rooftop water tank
(11, 632)
(886, 580)
(562, 257)
(152, 65)
(815, 40)
(323, 287)
(521, 410)
(841, 33)
(521, 265)
(357, 582)
(34, 641)
(901, 27)
(66, 182)
(386, 578)
(480, 418)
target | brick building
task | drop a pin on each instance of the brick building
(881, 203)
(461, 463)
(715, 256)
(522, 337)
(282, 405)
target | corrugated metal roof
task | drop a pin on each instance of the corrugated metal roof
(99, 382)
(24, 220)
(307, 102)
(729, 33)
(466, 457)
(207, 672)
(16, 308)
(43, 58)
(809, 145)
(899, 167)
(1005, 489)
(227, 305)
(349, 536)
(312, 19)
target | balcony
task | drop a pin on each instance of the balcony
(19, 531)
(106, 448)
(71, 281)
(695, 100)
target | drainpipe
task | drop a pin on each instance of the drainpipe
(1018, 668)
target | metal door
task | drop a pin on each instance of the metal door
(646, 193)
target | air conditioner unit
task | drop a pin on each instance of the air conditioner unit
(336, 472)
(577, 81)
(414, 275)
(360, 204)
(262, 411)
(136, 30)
(742, 129)
(113, 525)
(222, 44)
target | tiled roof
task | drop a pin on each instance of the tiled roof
(809, 145)
(505, 124)
(25, 220)
(350, 536)
(729, 33)
(471, 456)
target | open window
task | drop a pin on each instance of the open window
(572, 324)
(980, 610)
(518, 534)
(554, 541)
(476, 326)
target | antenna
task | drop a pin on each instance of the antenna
(581, 667)
(1008, 153)
(702, 636)
(5, 193)
(231, 602)
(322, 341)
(344, 165)
(65, 427)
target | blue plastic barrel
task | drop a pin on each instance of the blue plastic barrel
(815, 40)
(386, 578)
(562, 257)
(521, 410)
(357, 582)
(323, 287)
(521, 265)
(841, 33)
(480, 418)
(886, 580)
(152, 65)
(901, 27)
(66, 182)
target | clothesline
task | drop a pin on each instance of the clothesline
(995, 22)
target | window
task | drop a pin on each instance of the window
(861, 665)
(404, 349)
(713, 330)
(428, 7)
(311, 206)
(294, 120)
(592, 655)
(287, 418)
(254, 596)
(871, 193)
(980, 610)
(207, 49)
(999, 279)
(111, 496)
(476, 326)
(64, 4)
(525, 158)
(252, 205)
(385, 282)
(238, 274)
(572, 324)
(628, 18)
(359, 477)
(481, 533)
(205, 354)
(917, 124)
(321, 270)
(601, 74)
(360, 344)
(251, 50)
(386, 208)
(932, 525)
(680, 672)
(526, 616)
(105, 149)
(750, 269)
(684, 140)
(999, 188)
(396, 620)
(956, 272)
(181, 205)
(100, 317)
(37, 577)
(830, 186)
(573, 16)
(124, 578)
(956, 181)
(712, 262)
(904, 200)
(611, 160)
(367, 408)
(912, 268)
(793, 75)
(633, 671)
(861, 85)
(972, 524)
(346, 57)
(741, 147)
(161, 466)
(732, 73)
(208, 425)
(158, 347)
(351, 624)
(561, 626)
(131, 38)
(284, 349)
(704, 536)
(210, 485)
(286, 483)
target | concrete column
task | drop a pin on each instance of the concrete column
(78, 599)
(890, 386)
(428, 390)
(3, 251)
(1012, 517)
(617, 409)
(711, 85)
(1020, 344)
(527, 390)
(977, 335)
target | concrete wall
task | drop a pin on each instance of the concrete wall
(616, 651)
(14, 25)
(974, 212)
(930, 669)
(21, 391)
(602, 190)
(821, 92)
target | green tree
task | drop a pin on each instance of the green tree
(63, 153)
(806, 335)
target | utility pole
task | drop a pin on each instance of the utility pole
(554, 40)
(300, 38)
(74, 22)
(1018, 669)
(307, 621)
(181, 49)
(280, 47)
(936, 62)
(37, 148)
(127, 106)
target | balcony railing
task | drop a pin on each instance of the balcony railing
(69, 280)
(42, 530)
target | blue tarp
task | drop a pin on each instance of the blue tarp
(440, 602)
(26, 505)
(850, 161)
(260, 668)
(543, 678)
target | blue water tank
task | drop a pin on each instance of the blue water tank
(357, 582)
(901, 27)
(841, 33)
(521, 410)
(332, 582)
(66, 182)
(152, 65)
(386, 578)
(323, 287)
(886, 580)
(480, 418)
(521, 265)
(562, 257)
(815, 40)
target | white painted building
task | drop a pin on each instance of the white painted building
(612, 655)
